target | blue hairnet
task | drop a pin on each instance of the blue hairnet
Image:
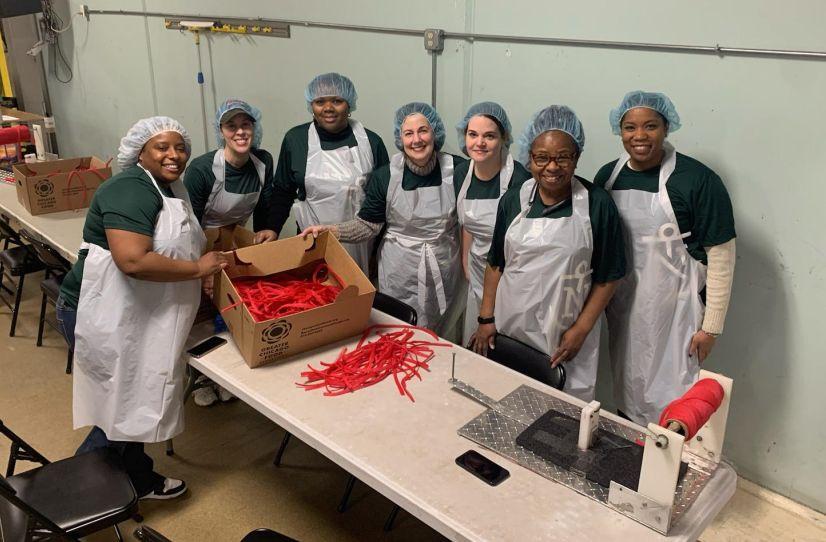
(132, 143)
(331, 84)
(429, 113)
(491, 109)
(238, 106)
(554, 117)
(657, 101)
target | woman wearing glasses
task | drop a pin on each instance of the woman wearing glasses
(556, 256)
(667, 313)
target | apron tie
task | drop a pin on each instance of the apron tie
(428, 259)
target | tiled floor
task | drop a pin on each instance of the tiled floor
(225, 455)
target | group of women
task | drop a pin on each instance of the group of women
(539, 252)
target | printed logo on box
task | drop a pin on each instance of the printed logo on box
(44, 187)
(276, 332)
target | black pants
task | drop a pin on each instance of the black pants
(139, 466)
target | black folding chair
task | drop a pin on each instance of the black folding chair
(404, 312)
(17, 261)
(527, 360)
(64, 500)
(56, 268)
(148, 534)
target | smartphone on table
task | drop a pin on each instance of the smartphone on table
(482, 468)
(205, 347)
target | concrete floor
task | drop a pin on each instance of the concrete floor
(226, 453)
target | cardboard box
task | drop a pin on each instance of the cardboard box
(227, 238)
(61, 185)
(264, 342)
(15, 116)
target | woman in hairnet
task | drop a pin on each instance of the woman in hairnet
(680, 242)
(226, 187)
(556, 255)
(229, 185)
(485, 136)
(129, 302)
(324, 163)
(419, 258)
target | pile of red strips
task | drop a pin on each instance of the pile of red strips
(282, 294)
(395, 353)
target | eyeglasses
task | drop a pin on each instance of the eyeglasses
(542, 160)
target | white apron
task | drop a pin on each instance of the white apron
(419, 261)
(129, 373)
(657, 307)
(546, 281)
(225, 208)
(477, 217)
(334, 186)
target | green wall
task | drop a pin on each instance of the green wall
(757, 121)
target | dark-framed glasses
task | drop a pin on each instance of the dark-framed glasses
(563, 160)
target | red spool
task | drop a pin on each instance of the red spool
(695, 407)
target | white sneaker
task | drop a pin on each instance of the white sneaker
(224, 395)
(171, 488)
(206, 395)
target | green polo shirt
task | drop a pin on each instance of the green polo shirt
(128, 201)
(292, 164)
(608, 258)
(486, 189)
(199, 181)
(699, 198)
(374, 206)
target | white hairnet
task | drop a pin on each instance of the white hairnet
(657, 101)
(331, 84)
(142, 131)
(235, 106)
(490, 109)
(554, 117)
(428, 112)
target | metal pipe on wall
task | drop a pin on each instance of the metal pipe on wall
(433, 80)
(716, 49)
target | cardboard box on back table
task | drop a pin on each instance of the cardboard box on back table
(59, 185)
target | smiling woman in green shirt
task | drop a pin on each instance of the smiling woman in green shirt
(485, 136)
(556, 255)
(419, 258)
(679, 224)
(323, 165)
(230, 184)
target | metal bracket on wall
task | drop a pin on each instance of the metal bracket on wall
(233, 26)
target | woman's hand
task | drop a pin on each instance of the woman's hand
(569, 344)
(265, 236)
(483, 339)
(701, 345)
(316, 230)
(212, 262)
(208, 285)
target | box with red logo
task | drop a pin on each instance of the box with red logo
(59, 185)
(267, 341)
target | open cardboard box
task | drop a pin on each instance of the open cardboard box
(225, 238)
(59, 185)
(264, 342)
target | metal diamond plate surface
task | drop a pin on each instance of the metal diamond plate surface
(498, 433)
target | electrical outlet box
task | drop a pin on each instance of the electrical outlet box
(434, 40)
